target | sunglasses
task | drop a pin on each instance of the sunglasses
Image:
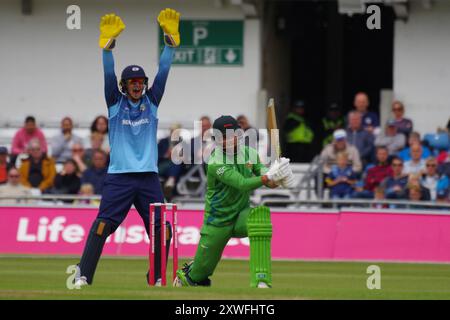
(77, 150)
(397, 164)
(397, 109)
(431, 165)
(14, 176)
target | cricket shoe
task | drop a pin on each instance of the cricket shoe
(82, 281)
(183, 280)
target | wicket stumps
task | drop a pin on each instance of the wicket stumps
(164, 207)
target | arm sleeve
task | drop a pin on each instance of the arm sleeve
(156, 91)
(232, 178)
(112, 93)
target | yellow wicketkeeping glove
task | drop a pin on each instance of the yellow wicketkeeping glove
(169, 20)
(110, 28)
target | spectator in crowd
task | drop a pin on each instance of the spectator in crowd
(298, 134)
(417, 163)
(360, 138)
(379, 194)
(341, 178)
(432, 180)
(370, 119)
(96, 143)
(87, 190)
(403, 125)
(395, 185)
(38, 171)
(4, 165)
(167, 169)
(200, 148)
(375, 174)
(24, 135)
(13, 188)
(443, 196)
(332, 121)
(391, 139)
(444, 166)
(79, 157)
(414, 180)
(95, 175)
(68, 180)
(100, 125)
(62, 143)
(251, 135)
(339, 144)
(414, 138)
(415, 193)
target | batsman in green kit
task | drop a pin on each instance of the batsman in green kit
(233, 172)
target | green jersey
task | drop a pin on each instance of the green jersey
(231, 179)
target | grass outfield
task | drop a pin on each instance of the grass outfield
(45, 278)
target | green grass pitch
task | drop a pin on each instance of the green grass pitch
(121, 278)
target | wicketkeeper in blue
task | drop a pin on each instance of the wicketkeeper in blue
(133, 173)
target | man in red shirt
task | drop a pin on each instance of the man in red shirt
(24, 135)
(375, 175)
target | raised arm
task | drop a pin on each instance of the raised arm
(156, 91)
(110, 28)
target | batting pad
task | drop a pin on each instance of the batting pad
(260, 234)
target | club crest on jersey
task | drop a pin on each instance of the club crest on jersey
(142, 107)
(249, 165)
(220, 171)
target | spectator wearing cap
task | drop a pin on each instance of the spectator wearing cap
(375, 174)
(13, 188)
(332, 121)
(417, 164)
(414, 138)
(298, 134)
(24, 135)
(4, 165)
(370, 119)
(339, 144)
(391, 139)
(360, 138)
(395, 185)
(38, 171)
(62, 143)
(403, 125)
(95, 175)
(432, 180)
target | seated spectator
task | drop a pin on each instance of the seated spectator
(62, 143)
(339, 144)
(403, 125)
(38, 171)
(96, 143)
(24, 135)
(14, 188)
(443, 197)
(4, 165)
(375, 175)
(414, 138)
(444, 166)
(414, 180)
(417, 163)
(78, 156)
(395, 185)
(341, 178)
(168, 170)
(415, 193)
(96, 174)
(432, 180)
(391, 139)
(87, 190)
(251, 135)
(200, 148)
(370, 119)
(360, 138)
(298, 135)
(332, 121)
(68, 180)
(100, 125)
(379, 194)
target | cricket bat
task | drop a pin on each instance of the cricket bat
(273, 130)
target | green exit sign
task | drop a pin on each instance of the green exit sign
(209, 43)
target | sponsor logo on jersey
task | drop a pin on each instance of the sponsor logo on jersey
(220, 171)
(126, 122)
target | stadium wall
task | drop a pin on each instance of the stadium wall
(349, 234)
(421, 67)
(50, 71)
